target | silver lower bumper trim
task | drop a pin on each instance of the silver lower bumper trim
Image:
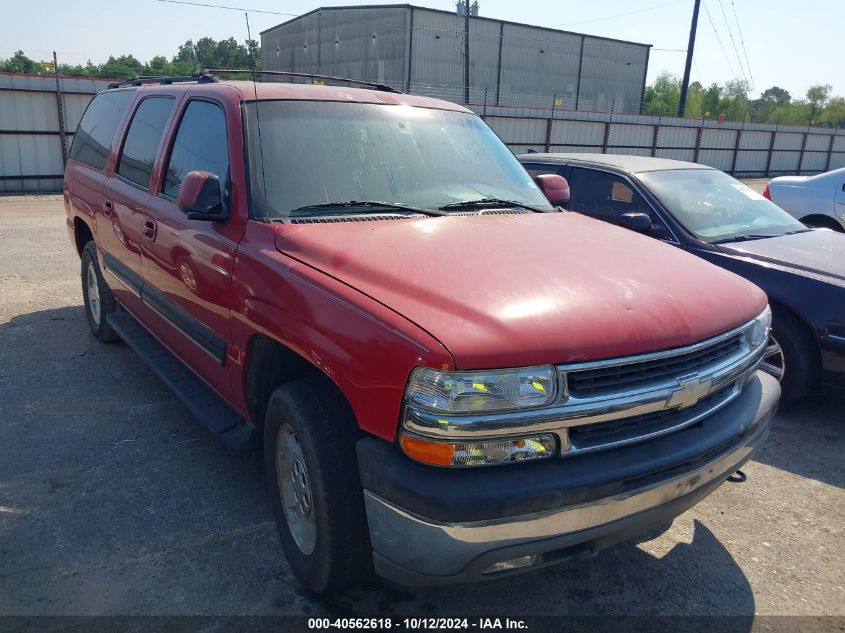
(433, 548)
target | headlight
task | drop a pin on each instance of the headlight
(759, 330)
(480, 391)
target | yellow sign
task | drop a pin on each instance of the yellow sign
(49, 65)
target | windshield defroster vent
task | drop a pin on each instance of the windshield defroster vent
(352, 218)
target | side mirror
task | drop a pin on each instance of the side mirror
(201, 197)
(636, 221)
(554, 187)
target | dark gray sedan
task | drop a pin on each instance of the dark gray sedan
(708, 213)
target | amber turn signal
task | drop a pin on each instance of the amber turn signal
(434, 453)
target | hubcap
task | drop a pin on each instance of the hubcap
(773, 359)
(93, 289)
(295, 490)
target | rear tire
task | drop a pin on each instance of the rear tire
(97, 297)
(312, 472)
(800, 364)
(822, 222)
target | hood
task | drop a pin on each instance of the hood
(526, 289)
(819, 252)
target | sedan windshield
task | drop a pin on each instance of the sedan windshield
(308, 153)
(715, 207)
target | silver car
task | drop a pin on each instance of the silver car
(817, 201)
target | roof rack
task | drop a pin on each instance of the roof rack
(203, 77)
(282, 73)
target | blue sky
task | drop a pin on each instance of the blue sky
(789, 44)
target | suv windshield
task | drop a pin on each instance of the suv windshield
(306, 153)
(715, 207)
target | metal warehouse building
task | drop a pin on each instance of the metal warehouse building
(421, 51)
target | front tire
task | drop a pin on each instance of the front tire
(792, 356)
(312, 472)
(96, 296)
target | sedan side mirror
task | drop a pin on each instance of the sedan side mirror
(201, 197)
(554, 187)
(636, 221)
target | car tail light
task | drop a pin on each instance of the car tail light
(766, 193)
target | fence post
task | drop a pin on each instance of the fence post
(654, 137)
(549, 124)
(774, 135)
(607, 125)
(698, 134)
(60, 111)
(830, 150)
(736, 147)
(484, 109)
(803, 149)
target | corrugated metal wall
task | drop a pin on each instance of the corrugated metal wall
(30, 137)
(31, 154)
(743, 150)
(422, 51)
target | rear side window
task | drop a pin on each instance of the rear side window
(200, 145)
(143, 138)
(96, 129)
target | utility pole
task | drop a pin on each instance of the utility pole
(682, 104)
(466, 51)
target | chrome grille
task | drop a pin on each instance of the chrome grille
(591, 437)
(602, 380)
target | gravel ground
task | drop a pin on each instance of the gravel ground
(113, 501)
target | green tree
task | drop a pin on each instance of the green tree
(798, 112)
(663, 96)
(122, 67)
(833, 114)
(817, 96)
(710, 101)
(761, 108)
(20, 63)
(734, 100)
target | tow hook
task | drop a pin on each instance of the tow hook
(738, 477)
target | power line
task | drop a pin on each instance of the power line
(733, 42)
(617, 44)
(742, 41)
(228, 8)
(718, 39)
(620, 15)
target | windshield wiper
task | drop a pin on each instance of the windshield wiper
(487, 202)
(742, 237)
(363, 204)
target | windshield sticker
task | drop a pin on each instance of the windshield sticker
(748, 191)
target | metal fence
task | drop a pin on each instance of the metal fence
(38, 115)
(740, 149)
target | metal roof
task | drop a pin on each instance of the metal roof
(628, 163)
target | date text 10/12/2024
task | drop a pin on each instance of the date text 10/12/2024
(415, 624)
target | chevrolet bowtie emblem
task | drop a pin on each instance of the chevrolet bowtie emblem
(690, 390)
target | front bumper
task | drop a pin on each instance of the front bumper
(436, 526)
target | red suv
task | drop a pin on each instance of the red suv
(449, 380)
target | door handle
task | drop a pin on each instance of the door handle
(149, 229)
(108, 208)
